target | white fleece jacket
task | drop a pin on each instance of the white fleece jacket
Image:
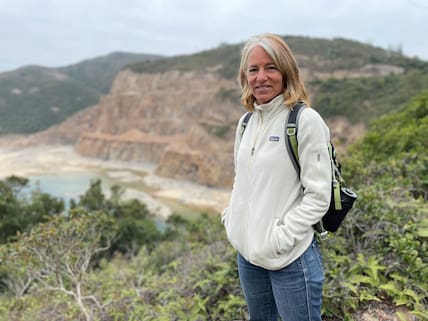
(271, 211)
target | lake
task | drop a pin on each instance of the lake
(67, 185)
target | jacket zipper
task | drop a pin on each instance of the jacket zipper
(250, 166)
(258, 130)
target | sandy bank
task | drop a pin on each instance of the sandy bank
(47, 160)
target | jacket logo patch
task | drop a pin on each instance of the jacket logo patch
(274, 138)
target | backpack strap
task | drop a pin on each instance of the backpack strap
(291, 144)
(337, 179)
(245, 122)
(291, 135)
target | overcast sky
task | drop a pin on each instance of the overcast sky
(62, 32)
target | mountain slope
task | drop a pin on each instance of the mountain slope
(33, 98)
(344, 77)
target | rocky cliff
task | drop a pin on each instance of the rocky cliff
(182, 121)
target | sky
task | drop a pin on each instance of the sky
(56, 33)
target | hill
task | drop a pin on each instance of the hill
(33, 98)
(345, 77)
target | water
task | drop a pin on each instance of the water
(66, 186)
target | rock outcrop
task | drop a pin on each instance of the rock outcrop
(201, 158)
(130, 146)
(182, 121)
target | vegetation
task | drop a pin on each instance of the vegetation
(380, 254)
(381, 95)
(57, 255)
(52, 268)
(315, 54)
(18, 212)
(99, 72)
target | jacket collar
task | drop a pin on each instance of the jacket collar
(272, 108)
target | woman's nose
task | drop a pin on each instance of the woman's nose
(261, 75)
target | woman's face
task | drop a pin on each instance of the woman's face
(264, 78)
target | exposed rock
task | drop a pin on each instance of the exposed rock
(165, 104)
(208, 168)
(130, 146)
(178, 120)
(343, 133)
(311, 72)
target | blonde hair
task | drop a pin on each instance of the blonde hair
(294, 88)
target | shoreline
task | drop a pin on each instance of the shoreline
(138, 179)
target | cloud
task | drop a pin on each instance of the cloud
(61, 32)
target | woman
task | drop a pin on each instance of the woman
(271, 211)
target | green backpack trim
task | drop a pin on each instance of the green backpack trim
(292, 144)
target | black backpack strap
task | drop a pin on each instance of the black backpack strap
(245, 122)
(291, 135)
(291, 143)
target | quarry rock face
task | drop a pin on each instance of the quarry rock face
(182, 121)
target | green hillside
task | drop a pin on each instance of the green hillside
(365, 99)
(320, 55)
(34, 98)
(99, 72)
(376, 263)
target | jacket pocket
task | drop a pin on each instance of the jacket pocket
(260, 246)
(278, 238)
(274, 237)
(234, 229)
(273, 243)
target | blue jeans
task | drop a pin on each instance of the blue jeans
(294, 292)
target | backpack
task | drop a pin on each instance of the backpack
(342, 197)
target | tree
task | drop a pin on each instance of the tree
(10, 206)
(136, 228)
(57, 255)
(94, 198)
(20, 211)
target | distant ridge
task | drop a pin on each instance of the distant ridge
(345, 78)
(33, 98)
